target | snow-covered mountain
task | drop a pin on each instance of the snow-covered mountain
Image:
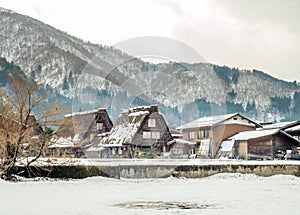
(90, 75)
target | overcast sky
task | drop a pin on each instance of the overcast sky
(249, 34)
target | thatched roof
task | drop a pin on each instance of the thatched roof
(78, 126)
(128, 124)
(36, 129)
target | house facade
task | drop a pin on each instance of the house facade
(292, 128)
(209, 132)
(138, 129)
(181, 149)
(261, 144)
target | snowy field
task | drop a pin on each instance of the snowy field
(218, 194)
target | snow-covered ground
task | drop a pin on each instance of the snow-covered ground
(220, 194)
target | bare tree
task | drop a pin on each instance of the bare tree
(22, 136)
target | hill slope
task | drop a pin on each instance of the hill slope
(88, 75)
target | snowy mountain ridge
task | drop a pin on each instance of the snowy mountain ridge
(101, 76)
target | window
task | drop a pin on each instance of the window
(206, 133)
(151, 123)
(155, 135)
(119, 151)
(99, 126)
(151, 135)
(177, 151)
(191, 135)
(203, 134)
(146, 134)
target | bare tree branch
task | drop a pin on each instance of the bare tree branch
(22, 135)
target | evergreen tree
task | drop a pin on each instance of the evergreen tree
(296, 108)
(65, 84)
(32, 75)
(71, 79)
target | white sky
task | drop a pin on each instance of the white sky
(256, 34)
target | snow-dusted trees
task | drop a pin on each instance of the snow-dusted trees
(23, 136)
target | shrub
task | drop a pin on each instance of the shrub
(146, 155)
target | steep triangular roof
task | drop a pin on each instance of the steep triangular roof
(128, 124)
(33, 126)
(76, 126)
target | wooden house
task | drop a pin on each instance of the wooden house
(65, 148)
(175, 134)
(33, 127)
(294, 131)
(9, 133)
(80, 129)
(210, 132)
(260, 144)
(100, 150)
(138, 129)
(292, 128)
(181, 149)
(279, 125)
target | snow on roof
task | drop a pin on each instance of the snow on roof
(84, 112)
(182, 141)
(210, 121)
(292, 129)
(79, 126)
(278, 125)
(62, 143)
(138, 113)
(95, 149)
(206, 121)
(123, 133)
(174, 132)
(246, 135)
(151, 108)
(214, 120)
(128, 124)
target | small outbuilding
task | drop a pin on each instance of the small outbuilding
(259, 144)
(181, 149)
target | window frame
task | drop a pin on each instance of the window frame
(191, 135)
(101, 124)
(151, 122)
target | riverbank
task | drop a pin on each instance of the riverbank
(154, 168)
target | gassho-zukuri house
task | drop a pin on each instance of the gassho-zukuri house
(210, 132)
(78, 130)
(138, 129)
